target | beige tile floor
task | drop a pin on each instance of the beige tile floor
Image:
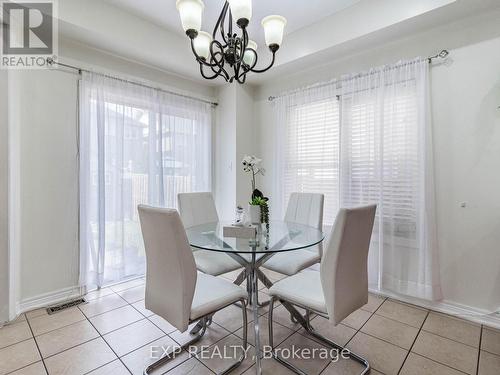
(113, 334)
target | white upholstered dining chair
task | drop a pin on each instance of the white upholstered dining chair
(174, 289)
(196, 209)
(341, 286)
(307, 209)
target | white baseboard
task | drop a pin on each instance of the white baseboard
(448, 307)
(48, 299)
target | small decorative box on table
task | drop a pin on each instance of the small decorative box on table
(238, 231)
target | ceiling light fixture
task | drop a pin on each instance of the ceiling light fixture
(232, 51)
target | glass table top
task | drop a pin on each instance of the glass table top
(282, 236)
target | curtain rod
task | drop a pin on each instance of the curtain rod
(441, 55)
(51, 61)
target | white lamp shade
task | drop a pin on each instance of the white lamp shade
(249, 56)
(241, 9)
(273, 29)
(190, 12)
(202, 44)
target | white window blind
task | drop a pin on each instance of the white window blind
(380, 150)
(312, 153)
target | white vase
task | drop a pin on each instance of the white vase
(254, 213)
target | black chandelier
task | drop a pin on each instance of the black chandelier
(233, 56)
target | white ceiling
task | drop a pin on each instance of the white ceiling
(150, 32)
(298, 13)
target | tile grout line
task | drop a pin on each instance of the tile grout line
(72, 347)
(37, 347)
(479, 350)
(414, 341)
(18, 342)
(432, 333)
(79, 321)
(357, 330)
(24, 367)
(360, 328)
(99, 333)
(441, 363)
(455, 341)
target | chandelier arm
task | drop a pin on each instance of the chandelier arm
(241, 77)
(220, 24)
(244, 71)
(221, 71)
(243, 43)
(200, 59)
(217, 24)
(248, 68)
(268, 67)
(219, 63)
(217, 74)
(236, 71)
(230, 21)
(241, 82)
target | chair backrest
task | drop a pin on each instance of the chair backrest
(344, 267)
(306, 209)
(197, 208)
(171, 269)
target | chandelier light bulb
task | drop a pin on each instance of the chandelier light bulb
(241, 11)
(274, 27)
(190, 12)
(202, 44)
(228, 53)
(249, 56)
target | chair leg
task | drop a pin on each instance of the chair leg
(310, 330)
(271, 341)
(168, 356)
(245, 341)
(202, 324)
(341, 349)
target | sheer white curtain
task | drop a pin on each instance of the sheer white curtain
(308, 134)
(383, 155)
(137, 145)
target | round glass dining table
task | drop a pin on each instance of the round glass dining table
(278, 237)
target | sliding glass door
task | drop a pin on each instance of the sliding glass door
(137, 146)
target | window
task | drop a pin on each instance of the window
(312, 152)
(357, 151)
(378, 144)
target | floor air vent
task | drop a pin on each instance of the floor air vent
(66, 305)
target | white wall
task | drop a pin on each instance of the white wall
(246, 139)
(225, 152)
(4, 240)
(466, 122)
(48, 185)
(466, 97)
(44, 108)
(235, 136)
